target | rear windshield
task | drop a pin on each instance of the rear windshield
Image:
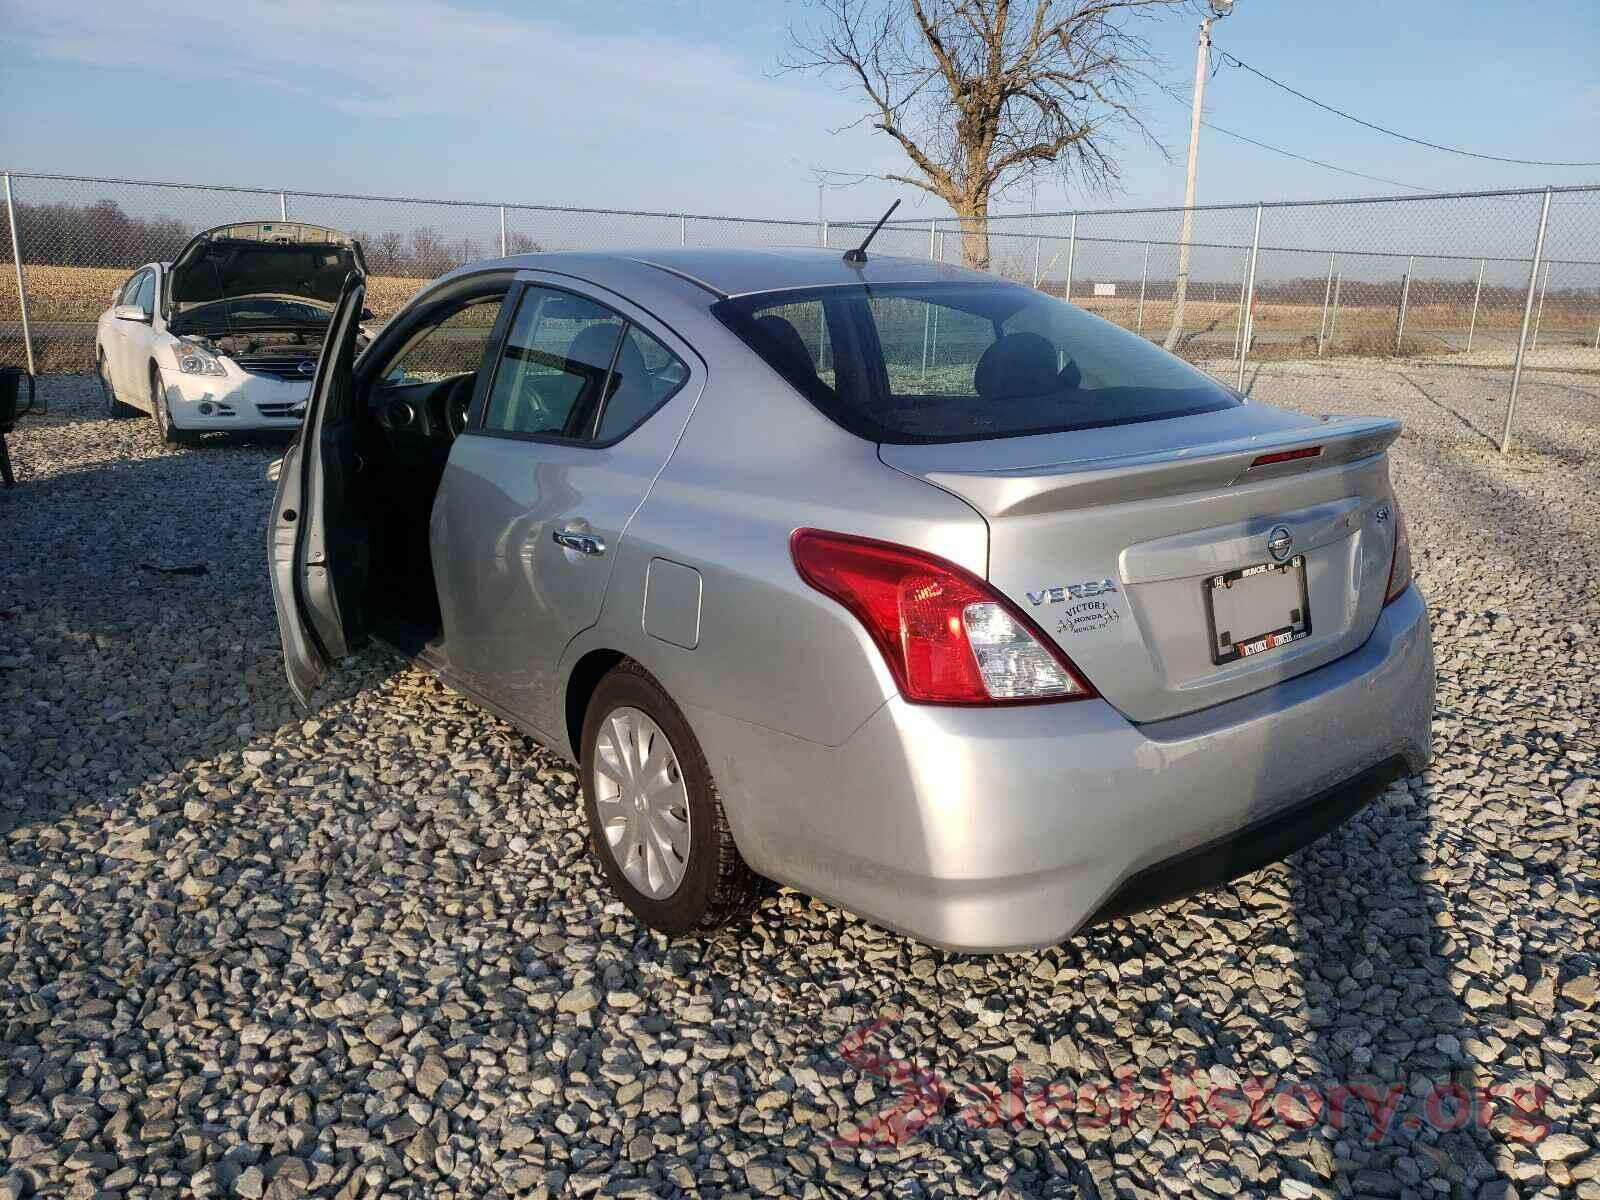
(953, 362)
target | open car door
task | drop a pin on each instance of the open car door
(316, 540)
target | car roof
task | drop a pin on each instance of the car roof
(740, 272)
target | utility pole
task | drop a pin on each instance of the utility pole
(1219, 9)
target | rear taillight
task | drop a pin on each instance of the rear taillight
(947, 636)
(1400, 564)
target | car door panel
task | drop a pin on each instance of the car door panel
(315, 539)
(525, 532)
(129, 344)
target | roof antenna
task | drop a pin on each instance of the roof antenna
(859, 254)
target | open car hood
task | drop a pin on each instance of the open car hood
(263, 259)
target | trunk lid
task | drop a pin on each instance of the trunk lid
(1123, 544)
(260, 274)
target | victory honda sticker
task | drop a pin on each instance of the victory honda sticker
(1088, 616)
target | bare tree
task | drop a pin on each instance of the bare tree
(982, 98)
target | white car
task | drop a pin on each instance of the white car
(225, 337)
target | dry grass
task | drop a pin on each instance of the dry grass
(72, 295)
(83, 293)
(1278, 317)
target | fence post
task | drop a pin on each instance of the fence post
(1144, 274)
(1238, 322)
(1333, 317)
(283, 206)
(1250, 304)
(1538, 318)
(22, 284)
(1405, 294)
(1527, 316)
(502, 231)
(933, 233)
(1477, 292)
(1072, 249)
(1327, 291)
(824, 233)
(683, 230)
(1036, 263)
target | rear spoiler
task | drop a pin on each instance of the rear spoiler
(1020, 491)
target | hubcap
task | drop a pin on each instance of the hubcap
(642, 801)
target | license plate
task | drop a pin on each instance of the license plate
(1257, 609)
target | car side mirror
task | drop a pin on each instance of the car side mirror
(366, 314)
(128, 312)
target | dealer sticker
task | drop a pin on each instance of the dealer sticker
(1088, 616)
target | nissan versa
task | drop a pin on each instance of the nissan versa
(920, 591)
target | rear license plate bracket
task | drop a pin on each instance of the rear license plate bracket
(1256, 609)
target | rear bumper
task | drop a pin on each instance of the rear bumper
(995, 829)
(1251, 848)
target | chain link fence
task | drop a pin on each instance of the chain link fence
(1468, 301)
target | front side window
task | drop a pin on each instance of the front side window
(140, 290)
(146, 297)
(959, 362)
(573, 369)
(448, 349)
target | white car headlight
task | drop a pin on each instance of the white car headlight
(192, 360)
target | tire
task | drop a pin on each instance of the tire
(115, 409)
(170, 433)
(714, 886)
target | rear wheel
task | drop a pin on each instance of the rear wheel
(170, 433)
(655, 818)
(115, 409)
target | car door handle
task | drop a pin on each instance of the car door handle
(583, 543)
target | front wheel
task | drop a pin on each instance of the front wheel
(655, 817)
(170, 433)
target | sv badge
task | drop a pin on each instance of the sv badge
(1072, 591)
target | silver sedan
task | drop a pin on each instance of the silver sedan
(917, 590)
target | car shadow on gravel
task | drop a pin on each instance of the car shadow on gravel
(137, 633)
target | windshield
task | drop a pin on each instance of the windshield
(259, 310)
(908, 363)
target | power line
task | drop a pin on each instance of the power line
(1316, 162)
(1233, 61)
(1313, 161)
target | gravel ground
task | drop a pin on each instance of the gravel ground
(247, 950)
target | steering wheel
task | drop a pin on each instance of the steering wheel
(456, 403)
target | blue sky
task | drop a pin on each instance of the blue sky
(677, 106)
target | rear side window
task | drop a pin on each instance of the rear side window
(574, 370)
(960, 362)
